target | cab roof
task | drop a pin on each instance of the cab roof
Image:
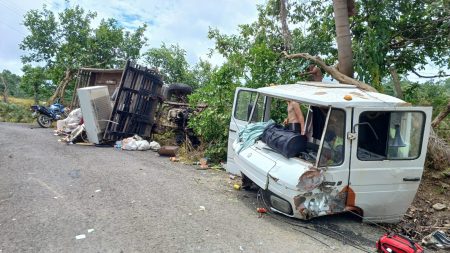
(326, 94)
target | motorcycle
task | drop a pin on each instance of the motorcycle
(45, 116)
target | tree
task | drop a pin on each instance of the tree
(12, 81)
(211, 124)
(33, 80)
(171, 62)
(403, 34)
(66, 42)
(5, 90)
(202, 73)
(343, 37)
(284, 26)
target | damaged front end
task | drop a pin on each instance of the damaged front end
(311, 194)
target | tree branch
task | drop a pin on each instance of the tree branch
(442, 115)
(333, 71)
(435, 76)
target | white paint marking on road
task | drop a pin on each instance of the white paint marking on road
(43, 184)
(79, 237)
(90, 230)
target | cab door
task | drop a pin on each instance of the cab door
(244, 99)
(387, 158)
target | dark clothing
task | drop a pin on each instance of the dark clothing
(294, 127)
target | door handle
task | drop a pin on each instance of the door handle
(411, 179)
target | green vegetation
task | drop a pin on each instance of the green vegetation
(66, 41)
(15, 113)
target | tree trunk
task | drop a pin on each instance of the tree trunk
(335, 73)
(36, 94)
(284, 27)
(343, 37)
(442, 115)
(60, 90)
(396, 81)
(5, 90)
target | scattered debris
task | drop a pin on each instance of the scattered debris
(217, 167)
(135, 143)
(241, 248)
(236, 187)
(98, 190)
(439, 206)
(90, 230)
(397, 243)
(204, 163)
(437, 239)
(168, 150)
(79, 237)
(232, 177)
(174, 159)
(261, 211)
(202, 208)
(154, 146)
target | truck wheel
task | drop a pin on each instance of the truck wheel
(44, 121)
(179, 89)
(246, 183)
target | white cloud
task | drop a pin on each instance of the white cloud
(185, 22)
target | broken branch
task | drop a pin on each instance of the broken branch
(435, 76)
(333, 71)
(441, 116)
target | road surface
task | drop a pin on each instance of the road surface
(125, 201)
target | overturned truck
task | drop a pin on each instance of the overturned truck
(363, 152)
(139, 104)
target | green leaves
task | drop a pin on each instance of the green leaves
(171, 62)
(33, 82)
(212, 123)
(68, 41)
(12, 81)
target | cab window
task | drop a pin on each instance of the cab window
(384, 135)
(333, 144)
(244, 104)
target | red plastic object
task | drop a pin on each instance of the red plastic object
(261, 210)
(392, 243)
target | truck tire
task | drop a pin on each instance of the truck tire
(179, 89)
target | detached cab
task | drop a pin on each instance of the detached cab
(365, 151)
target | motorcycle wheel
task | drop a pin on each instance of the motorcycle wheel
(44, 121)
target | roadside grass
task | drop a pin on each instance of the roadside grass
(21, 101)
(16, 111)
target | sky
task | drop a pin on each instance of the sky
(185, 22)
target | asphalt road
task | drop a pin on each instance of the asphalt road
(139, 202)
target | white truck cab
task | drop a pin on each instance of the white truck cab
(372, 166)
